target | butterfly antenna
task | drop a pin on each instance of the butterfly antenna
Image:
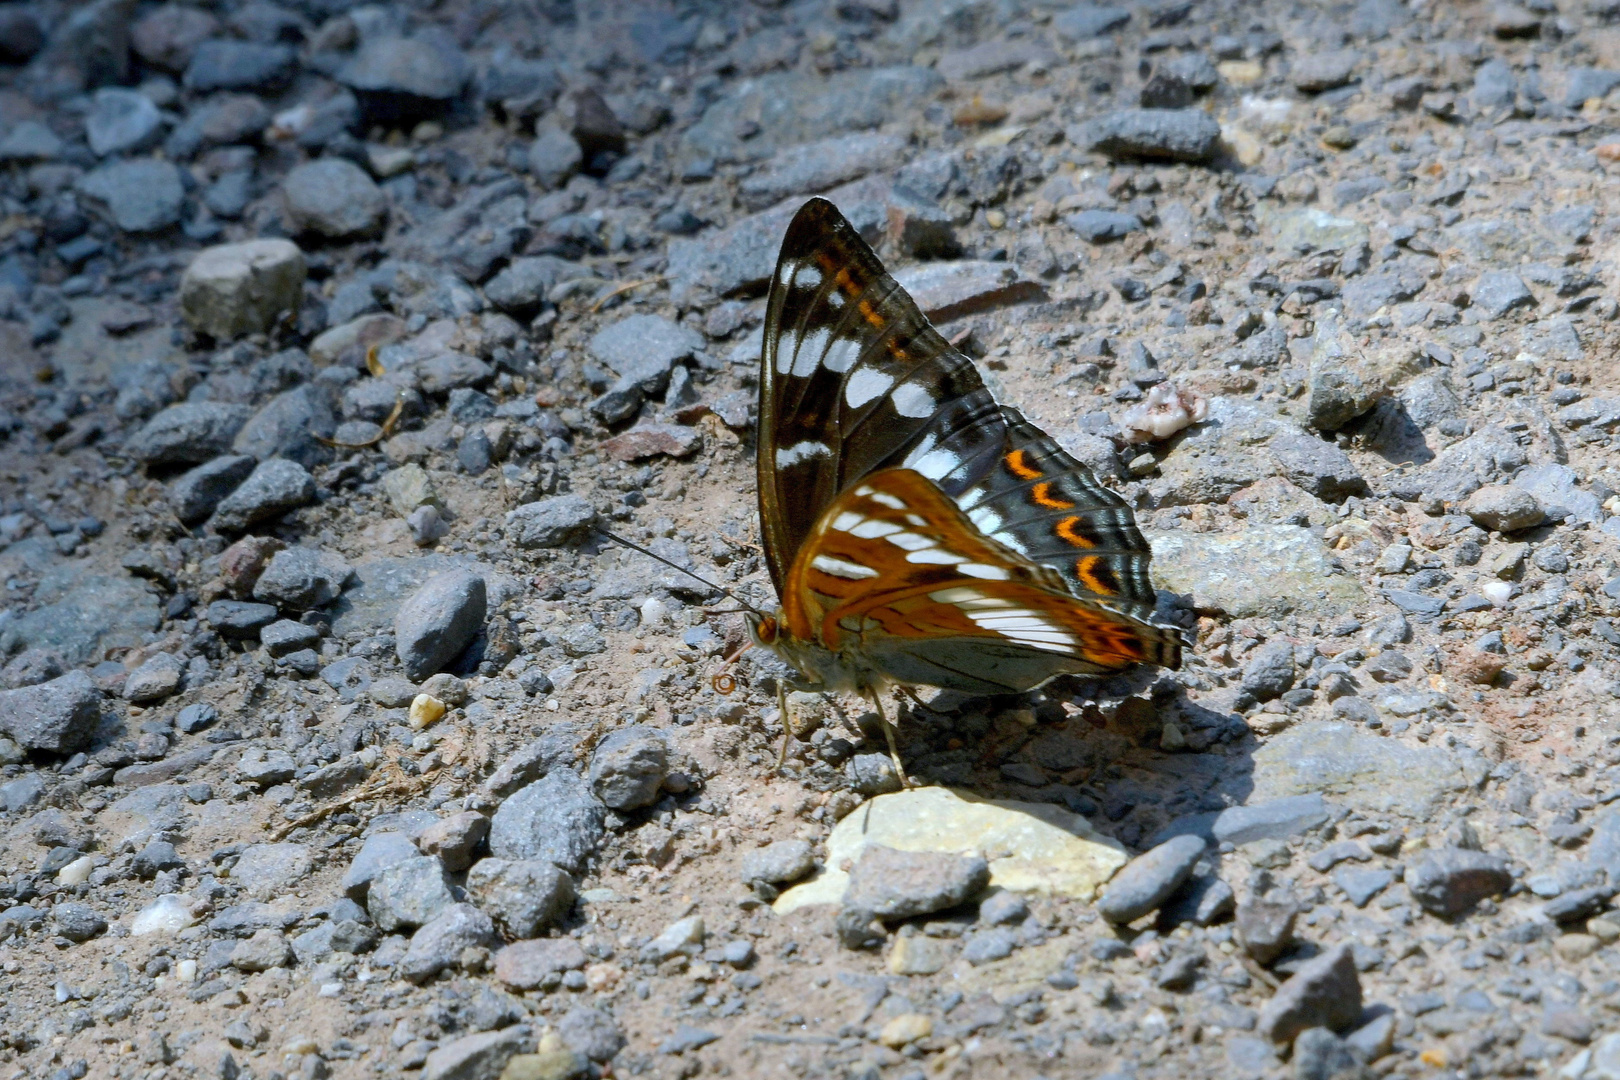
(633, 546)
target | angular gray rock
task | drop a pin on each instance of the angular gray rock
(779, 862)
(58, 716)
(272, 489)
(408, 893)
(139, 196)
(291, 425)
(1503, 508)
(1324, 992)
(555, 818)
(524, 896)
(121, 122)
(1498, 292)
(550, 522)
(194, 494)
(438, 944)
(892, 884)
(483, 1056)
(240, 619)
(629, 766)
(156, 679)
(188, 433)
(234, 289)
(1317, 466)
(591, 1032)
(438, 621)
(1451, 880)
(302, 578)
(380, 851)
(1269, 671)
(1167, 134)
(1149, 879)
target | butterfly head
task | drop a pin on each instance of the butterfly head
(764, 629)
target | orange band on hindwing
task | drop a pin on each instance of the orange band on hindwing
(1015, 462)
(1068, 531)
(1042, 494)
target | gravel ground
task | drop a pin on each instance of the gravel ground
(335, 741)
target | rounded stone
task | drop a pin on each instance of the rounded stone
(334, 198)
(439, 621)
(1503, 508)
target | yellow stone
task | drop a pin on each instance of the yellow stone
(1604, 929)
(426, 709)
(1241, 72)
(1244, 146)
(550, 1061)
(1031, 847)
(916, 954)
(905, 1029)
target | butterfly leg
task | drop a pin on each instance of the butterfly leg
(787, 725)
(888, 733)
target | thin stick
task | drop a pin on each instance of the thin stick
(626, 287)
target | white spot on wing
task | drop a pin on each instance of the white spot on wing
(808, 358)
(870, 528)
(984, 570)
(957, 595)
(935, 464)
(864, 386)
(910, 541)
(835, 299)
(933, 555)
(808, 277)
(788, 456)
(910, 399)
(883, 498)
(846, 522)
(842, 354)
(986, 519)
(841, 568)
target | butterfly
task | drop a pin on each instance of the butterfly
(918, 532)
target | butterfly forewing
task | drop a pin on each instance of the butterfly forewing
(895, 569)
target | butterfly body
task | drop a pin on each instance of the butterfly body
(917, 531)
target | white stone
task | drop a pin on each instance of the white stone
(76, 872)
(168, 914)
(1032, 847)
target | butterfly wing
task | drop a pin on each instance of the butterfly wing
(897, 572)
(855, 380)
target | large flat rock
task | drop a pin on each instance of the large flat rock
(1260, 569)
(1363, 771)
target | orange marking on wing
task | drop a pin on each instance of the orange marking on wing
(1015, 462)
(843, 279)
(1042, 494)
(896, 351)
(871, 315)
(1085, 568)
(1066, 532)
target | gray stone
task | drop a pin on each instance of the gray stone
(234, 289)
(524, 896)
(23, 792)
(552, 522)
(1150, 879)
(1451, 880)
(187, 433)
(1578, 904)
(82, 615)
(523, 286)
(1494, 85)
(1361, 885)
(156, 679)
(686, 1039)
(1270, 671)
(1276, 819)
(455, 839)
(290, 426)
(1363, 770)
(139, 196)
(1204, 899)
(302, 578)
(1166, 134)
(1098, 226)
(1316, 72)
(350, 677)
(1558, 487)
(223, 120)
(335, 936)
(1317, 466)
(526, 965)
(121, 122)
(816, 166)
(266, 768)
(1083, 22)
(554, 156)
(1321, 1055)
(1503, 508)
(408, 893)
(269, 870)
(892, 884)
(240, 619)
(642, 345)
(334, 198)
(274, 488)
(1265, 921)
(779, 862)
(483, 1056)
(78, 922)
(1324, 992)
(591, 1032)
(384, 583)
(335, 777)
(1498, 292)
(629, 766)
(380, 850)
(439, 620)
(156, 857)
(21, 36)
(194, 494)
(555, 818)
(439, 944)
(264, 950)
(58, 716)
(1584, 84)
(240, 65)
(449, 371)
(402, 80)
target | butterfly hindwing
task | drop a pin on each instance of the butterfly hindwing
(896, 567)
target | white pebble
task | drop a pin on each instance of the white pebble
(76, 872)
(1165, 411)
(653, 612)
(186, 971)
(1497, 592)
(168, 914)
